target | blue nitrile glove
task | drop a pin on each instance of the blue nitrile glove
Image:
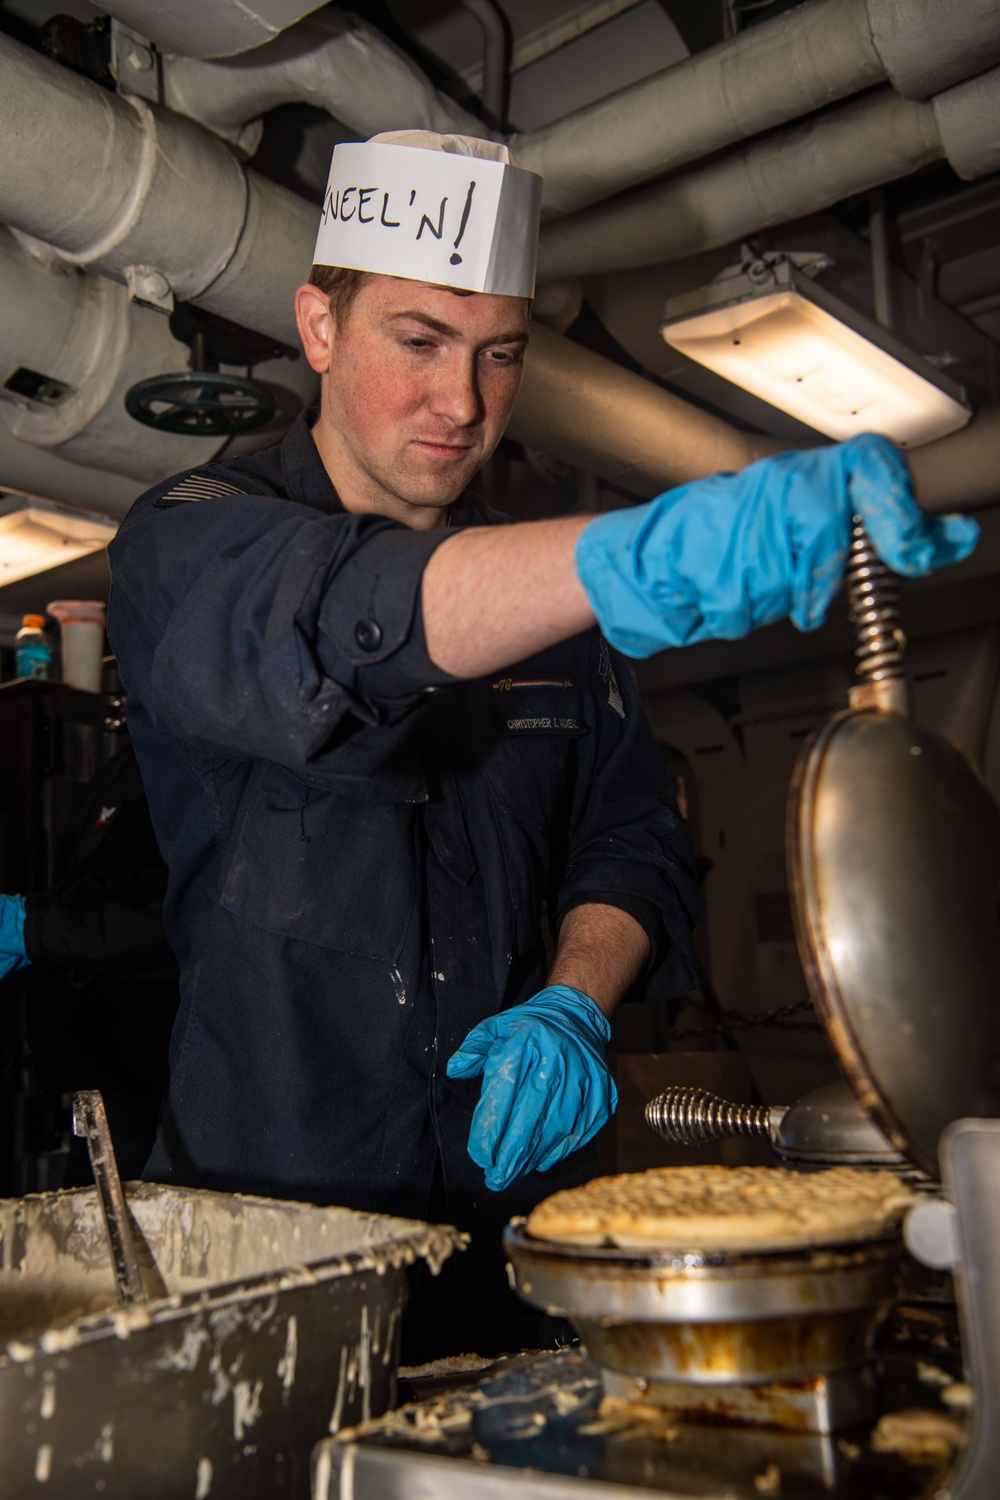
(12, 954)
(720, 556)
(546, 1085)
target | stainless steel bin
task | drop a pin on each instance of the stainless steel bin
(270, 1325)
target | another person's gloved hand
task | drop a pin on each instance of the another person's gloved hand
(546, 1084)
(721, 556)
(12, 954)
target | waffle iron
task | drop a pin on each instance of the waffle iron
(894, 865)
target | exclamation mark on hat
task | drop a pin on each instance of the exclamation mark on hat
(456, 259)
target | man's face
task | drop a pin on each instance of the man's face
(418, 386)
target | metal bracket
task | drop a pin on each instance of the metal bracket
(135, 64)
(970, 1169)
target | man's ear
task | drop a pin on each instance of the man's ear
(316, 326)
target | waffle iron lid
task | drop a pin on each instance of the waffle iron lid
(894, 858)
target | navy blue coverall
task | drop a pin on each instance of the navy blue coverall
(360, 846)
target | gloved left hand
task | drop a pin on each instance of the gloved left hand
(12, 954)
(546, 1085)
(719, 557)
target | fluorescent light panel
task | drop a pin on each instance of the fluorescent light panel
(36, 535)
(802, 358)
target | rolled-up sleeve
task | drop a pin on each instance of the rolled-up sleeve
(259, 627)
(627, 845)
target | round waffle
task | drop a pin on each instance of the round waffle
(724, 1209)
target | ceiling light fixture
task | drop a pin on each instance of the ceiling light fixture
(36, 535)
(768, 327)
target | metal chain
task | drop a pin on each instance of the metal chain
(779, 1019)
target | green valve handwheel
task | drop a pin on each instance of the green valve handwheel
(200, 403)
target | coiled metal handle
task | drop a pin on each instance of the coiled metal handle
(874, 603)
(693, 1117)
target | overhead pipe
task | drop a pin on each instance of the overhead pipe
(604, 419)
(778, 178)
(159, 175)
(217, 28)
(961, 471)
(127, 184)
(774, 72)
(84, 335)
(331, 60)
(91, 344)
(496, 58)
(43, 472)
(146, 196)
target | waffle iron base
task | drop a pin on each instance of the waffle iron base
(531, 1428)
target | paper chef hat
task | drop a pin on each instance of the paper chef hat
(448, 209)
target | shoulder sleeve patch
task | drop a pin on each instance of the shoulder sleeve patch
(199, 487)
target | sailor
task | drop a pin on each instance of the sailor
(384, 739)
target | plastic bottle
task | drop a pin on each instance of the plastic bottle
(31, 650)
(82, 633)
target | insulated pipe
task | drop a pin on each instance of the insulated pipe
(42, 472)
(332, 60)
(605, 420)
(929, 45)
(761, 78)
(784, 176)
(216, 29)
(144, 195)
(961, 471)
(83, 332)
(574, 403)
(495, 58)
(776, 71)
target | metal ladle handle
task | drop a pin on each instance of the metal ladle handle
(694, 1117)
(873, 602)
(90, 1120)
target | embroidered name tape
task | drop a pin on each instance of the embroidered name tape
(447, 209)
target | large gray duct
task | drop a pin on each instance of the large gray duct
(761, 78)
(607, 421)
(332, 60)
(794, 172)
(774, 72)
(130, 189)
(147, 196)
(961, 471)
(82, 333)
(210, 28)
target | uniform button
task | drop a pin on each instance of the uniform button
(368, 634)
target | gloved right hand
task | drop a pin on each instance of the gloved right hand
(12, 953)
(719, 557)
(547, 1089)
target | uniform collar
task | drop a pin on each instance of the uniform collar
(304, 477)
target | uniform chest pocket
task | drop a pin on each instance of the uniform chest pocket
(537, 720)
(323, 868)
